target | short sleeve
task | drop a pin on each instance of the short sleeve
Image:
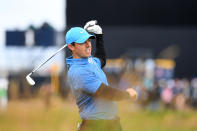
(84, 80)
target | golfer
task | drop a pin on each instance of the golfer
(95, 98)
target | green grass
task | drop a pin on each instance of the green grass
(161, 120)
(33, 115)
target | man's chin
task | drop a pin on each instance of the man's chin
(86, 56)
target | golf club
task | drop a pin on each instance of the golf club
(28, 77)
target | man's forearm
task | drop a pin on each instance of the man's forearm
(100, 50)
(110, 93)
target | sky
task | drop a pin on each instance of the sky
(20, 14)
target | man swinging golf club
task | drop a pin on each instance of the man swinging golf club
(94, 97)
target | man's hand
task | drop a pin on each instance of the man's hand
(133, 94)
(92, 27)
(90, 23)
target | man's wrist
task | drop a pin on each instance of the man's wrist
(99, 36)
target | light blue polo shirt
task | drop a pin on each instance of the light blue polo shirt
(85, 76)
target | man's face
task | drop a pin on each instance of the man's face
(82, 50)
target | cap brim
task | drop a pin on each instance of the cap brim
(84, 38)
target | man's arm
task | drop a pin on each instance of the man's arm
(114, 94)
(97, 30)
(100, 50)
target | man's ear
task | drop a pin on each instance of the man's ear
(71, 47)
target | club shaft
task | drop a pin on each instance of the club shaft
(48, 59)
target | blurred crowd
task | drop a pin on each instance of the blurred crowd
(155, 83)
(153, 80)
(178, 94)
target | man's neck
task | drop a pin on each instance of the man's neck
(75, 56)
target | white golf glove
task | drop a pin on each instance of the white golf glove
(92, 27)
(133, 94)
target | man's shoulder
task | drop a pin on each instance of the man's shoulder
(97, 60)
(77, 70)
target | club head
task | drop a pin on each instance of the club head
(30, 80)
